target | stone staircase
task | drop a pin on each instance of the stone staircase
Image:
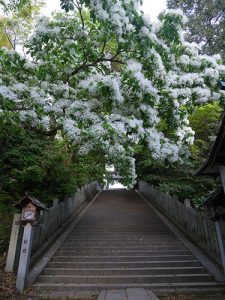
(121, 243)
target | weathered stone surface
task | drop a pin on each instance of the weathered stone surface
(140, 294)
(121, 243)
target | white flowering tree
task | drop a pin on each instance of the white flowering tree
(108, 78)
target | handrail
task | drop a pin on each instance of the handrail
(59, 213)
(195, 224)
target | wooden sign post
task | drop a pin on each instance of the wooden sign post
(31, 208)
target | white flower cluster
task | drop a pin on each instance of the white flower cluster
(43, 28)
(161, 148)
(145, 84)
(7, 93)
(92, 82)
(115, 14)
(70, 127)
(186, 134)
(151, 114)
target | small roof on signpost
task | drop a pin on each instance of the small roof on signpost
(25, 200)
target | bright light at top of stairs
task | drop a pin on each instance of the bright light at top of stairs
(116, 185)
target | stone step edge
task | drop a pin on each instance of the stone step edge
(121, 247)
(129, 276)
(126, 269)
(118, 238)
(116, 242)
(126, 263)
(133, 256)
(133, 262)
(159, 285)
(101, 251)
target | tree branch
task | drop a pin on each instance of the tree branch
(220, 15)
(52, 132)
(86, 65)
(103, 48)
(77, 4)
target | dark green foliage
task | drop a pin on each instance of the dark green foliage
(205, 121)
(67, 5)
(206, 23)
(30, 161)
(182, 182)
(169, 32)
(91, 166)
(6, 215)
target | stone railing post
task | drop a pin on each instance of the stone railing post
(13, 243)
(187, 202)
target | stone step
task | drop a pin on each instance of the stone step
(118, 258)
(121, 233)
(122, 230)
(128, 229)
(158, 288)
(122, 237)
(108, 238)
(126, 278)
(124, 271)
(118, 222)
(117, 243)
(134, 225)
(131, 264)
(125, 248)
(122, 252)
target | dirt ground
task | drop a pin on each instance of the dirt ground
(8, 285)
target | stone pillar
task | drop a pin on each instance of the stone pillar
(13, 243)
(220, 231)
(107, 185)
(55, 202)
(187, 202)
(24, 257)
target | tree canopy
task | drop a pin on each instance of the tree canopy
(109, 79)
(206, 23)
